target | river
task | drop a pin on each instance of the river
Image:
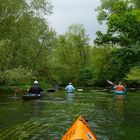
(50, 117)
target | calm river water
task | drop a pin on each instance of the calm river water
(50, 117)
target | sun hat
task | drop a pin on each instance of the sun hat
(35, 82)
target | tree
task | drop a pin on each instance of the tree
(134, 75)
(99, 63)
(22, 24)
(122, 18)
(136, 3)
(72, 51)
(123, 23)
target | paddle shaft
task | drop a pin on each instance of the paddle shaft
(110, 82)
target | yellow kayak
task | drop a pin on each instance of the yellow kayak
(80, 130)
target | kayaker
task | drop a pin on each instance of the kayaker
(35, 88)
(120, 89)
(70, 88)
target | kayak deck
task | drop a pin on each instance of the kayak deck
(32, 96)
(80, 130)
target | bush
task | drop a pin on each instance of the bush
(18, 76)
(134, 75)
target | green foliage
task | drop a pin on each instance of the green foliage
(134, 75)
(72, 52)
(30, 49)
(123, 24)
(41, 7)
(87, 77)
(5, 54)
(99, 59)
(22, 26)
(136, 3)
(18, 76)
(122, 18)
(116, 69)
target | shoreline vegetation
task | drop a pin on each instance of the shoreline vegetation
(30, 49)
(20, 89)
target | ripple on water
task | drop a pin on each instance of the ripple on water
(54, 114)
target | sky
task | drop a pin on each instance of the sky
(68, 12)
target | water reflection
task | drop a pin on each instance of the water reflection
(50, 117)
(31, 129)
(70, 96)
(34, 106)
(119, 105)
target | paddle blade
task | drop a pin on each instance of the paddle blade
(110, 82)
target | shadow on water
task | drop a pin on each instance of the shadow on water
(50, 117)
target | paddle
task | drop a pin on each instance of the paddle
(110, 82)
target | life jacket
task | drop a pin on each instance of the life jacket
(120, 88)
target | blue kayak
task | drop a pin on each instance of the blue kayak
(119, 92)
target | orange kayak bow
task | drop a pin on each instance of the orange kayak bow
(80, 130)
